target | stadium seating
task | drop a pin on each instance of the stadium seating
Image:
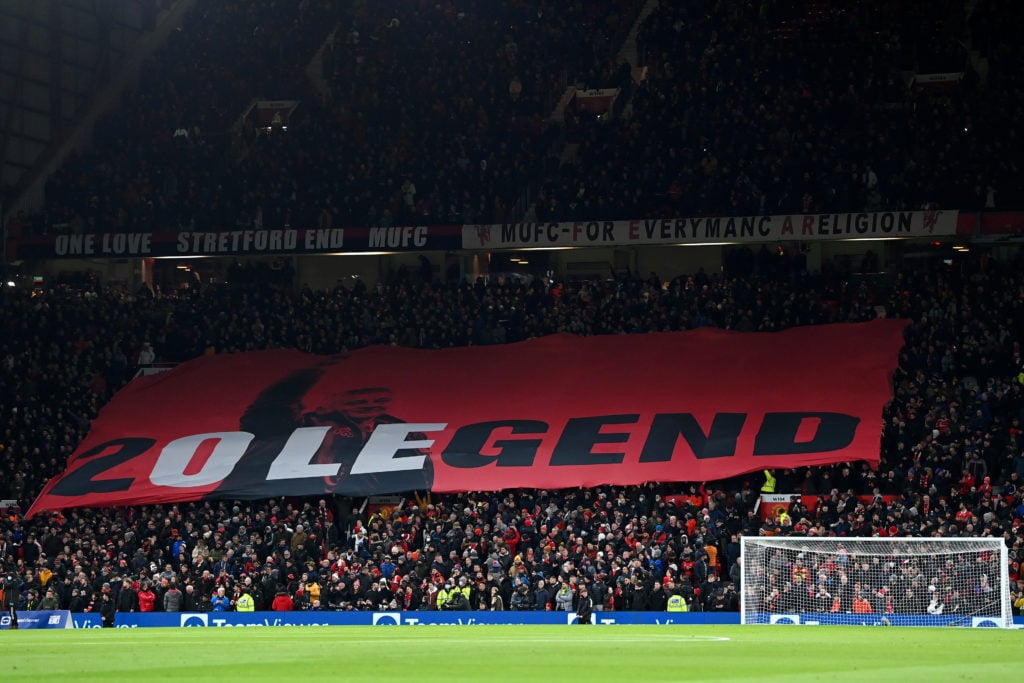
(954, 421)
(423, 114)
(797, 107)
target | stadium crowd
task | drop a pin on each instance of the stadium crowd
(951, 454)
(442, 115)
(426, 113)
(787, 107)
(429, 114)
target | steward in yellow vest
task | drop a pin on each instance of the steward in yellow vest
(245, 603)
(676, 603)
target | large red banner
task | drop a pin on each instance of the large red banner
(554, 412)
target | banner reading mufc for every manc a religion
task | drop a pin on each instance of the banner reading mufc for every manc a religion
(553, 412)
(712, 230)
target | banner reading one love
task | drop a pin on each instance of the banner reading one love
(555, 412)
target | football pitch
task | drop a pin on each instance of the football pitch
(486, 653)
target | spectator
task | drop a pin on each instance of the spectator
(146, 355)
(147, 598)
(172, 597)
(564, 598)
(220, 601)
(282, 602)
(127, 598)
(49, 602)
(584, 606)
(107, 611)
(497, 602)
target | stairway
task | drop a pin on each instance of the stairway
(977, 62)
(315, 69)
(629, 54)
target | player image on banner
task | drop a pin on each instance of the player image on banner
(351, 416)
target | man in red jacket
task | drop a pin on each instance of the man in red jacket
(147, 598)
(512, 539)
(282, 603)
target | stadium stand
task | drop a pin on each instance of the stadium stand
(779, 107)
(439, 116)
(455, 100)
(729, 109)
(951, 438)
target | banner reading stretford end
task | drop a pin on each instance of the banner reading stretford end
(554, 412)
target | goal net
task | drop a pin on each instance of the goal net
(875, 581)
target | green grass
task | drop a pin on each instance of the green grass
(410, 654)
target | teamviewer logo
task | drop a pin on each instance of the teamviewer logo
(193, 620)
(387, 618)
(784, 619)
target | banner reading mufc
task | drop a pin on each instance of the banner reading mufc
(711, 230)
(554, 412)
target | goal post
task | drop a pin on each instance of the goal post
(875, 581)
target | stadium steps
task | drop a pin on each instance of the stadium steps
(978, 63)
(628, 53)
(315, 68)
(558, 113)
